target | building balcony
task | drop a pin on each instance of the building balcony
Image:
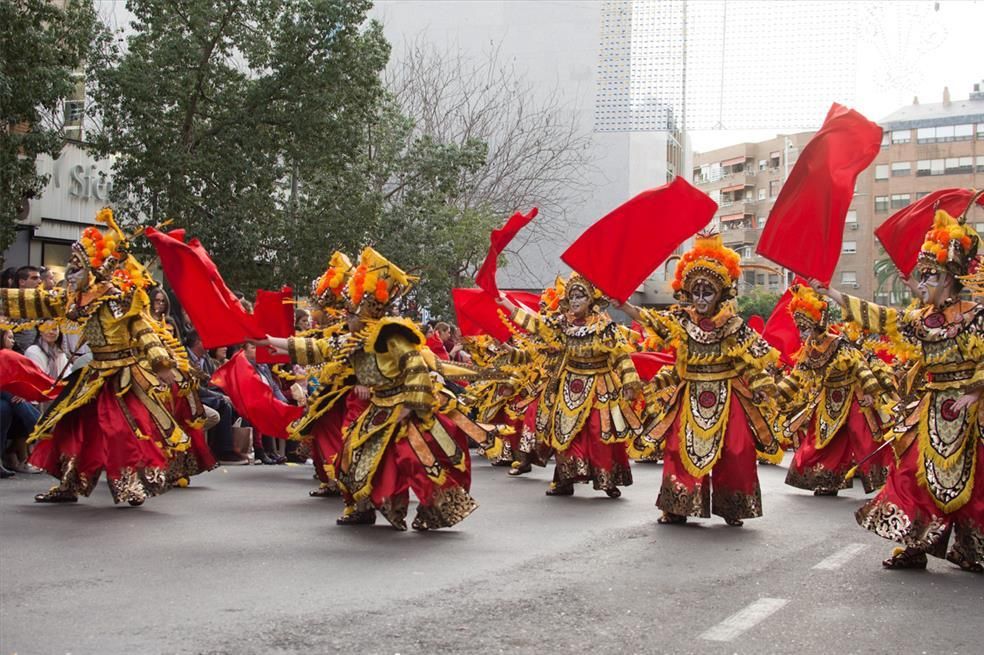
(741, 236)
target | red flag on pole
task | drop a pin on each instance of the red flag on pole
(624, 247)
(805, 230)
(498, 240)
(253, 398)
(21, 377)
(903, 233)
(478, 313)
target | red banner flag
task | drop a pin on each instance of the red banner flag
(499, 239)
(478, 313)
(805, 230)
(21, 377)
(648, 364)
(903, 233)
(213, 309)
(273, 314)
(780, 330)
(253, 398)
(624, 247)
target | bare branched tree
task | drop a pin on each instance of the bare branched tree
(538, 152)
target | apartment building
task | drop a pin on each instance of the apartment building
(925, 147)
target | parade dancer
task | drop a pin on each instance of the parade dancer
(401, 441)
(831, 391)
(719, 392)
(111, 415)
(585, 412)
(935, 491)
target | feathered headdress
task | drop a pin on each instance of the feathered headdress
(950, 246)
(328, 291)
(376, 284)
(107, 256)
(551, 296)
(807, 307)
(708, 260)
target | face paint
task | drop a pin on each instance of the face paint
(578, 301)
(705, 297)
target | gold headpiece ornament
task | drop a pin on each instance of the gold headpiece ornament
(551, 296)
(950, 246)
(107, 256)
(376, 284)
(328, 291)
(807, 308)
(708, 260)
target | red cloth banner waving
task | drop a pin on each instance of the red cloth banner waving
(23, 378)
(805, 231)
(624, 247)
(903, 233)
(213, 309)
(273, 314)
(253, 398)
(485, 279)
(780, 330)
(478, 313)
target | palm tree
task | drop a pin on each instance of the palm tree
(889, 281)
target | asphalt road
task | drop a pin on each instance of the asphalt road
(245, 562)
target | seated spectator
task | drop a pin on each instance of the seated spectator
(160, 309)
(48, 352)
(17, 420)
(436, 338)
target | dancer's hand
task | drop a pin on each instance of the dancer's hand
(361, 391)
(965, 401)
(404, 414)
(277, 345)
(866, 401)
(166, 376)
(630, 310)
(505, 303)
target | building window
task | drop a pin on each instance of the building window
(980, 131)
(881, 204)
(850, 247)
(926, 167)
(852, 217)
(979, 227)
(761, 194)
(901, 168)
(980, 163)
(901, 136)
(921, 194)
(775, 159)
(849, 277)
(900, 200)
(774, 187)
(886, 137)
(963, 132)
(958, 165)
(881, 172)
(762, 164)
(944, 133)
(761, 221)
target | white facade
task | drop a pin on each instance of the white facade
(78, 187)
(557, 46)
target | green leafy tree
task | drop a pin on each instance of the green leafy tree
(224, 115)
(42, 46)
(757, 302)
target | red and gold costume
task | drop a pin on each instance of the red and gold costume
(582, 412)
(113, 414)
(502, 400)
(935, 491)
(825, 392)
(717, 396)
(406, 437)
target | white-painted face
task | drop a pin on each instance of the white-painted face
(935, 286)
(705, 297)
(578, 301)
(76, 274)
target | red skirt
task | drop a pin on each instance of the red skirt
(198, 458)
(731, 489)
(97, 437)
(824, 469)
(326, 441)
(904, 511)
(589, 459)
(531, 448)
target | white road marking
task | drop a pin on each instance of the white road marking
(841, 557)
(744, 620)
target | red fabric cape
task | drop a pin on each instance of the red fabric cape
(213, 309)
(477, 311)
(805, 230)
(23, 378)
(498, 240)
(614, 255)
(253, 398)
(902, 235)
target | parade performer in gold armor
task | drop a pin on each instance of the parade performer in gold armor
(719, 393)
(935, 492)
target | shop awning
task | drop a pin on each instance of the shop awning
(733, 161)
